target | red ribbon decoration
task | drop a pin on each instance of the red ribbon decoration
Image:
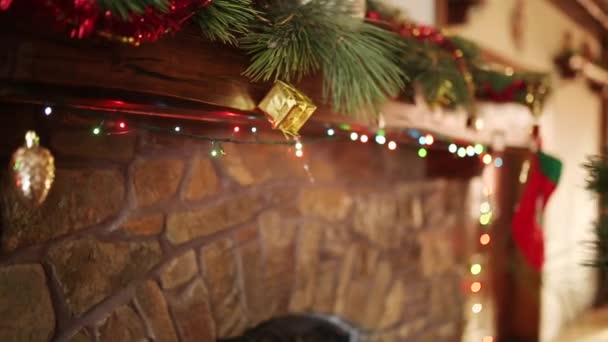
(506, 94)
(83, 18)
(5, 4)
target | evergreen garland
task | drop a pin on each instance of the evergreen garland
(125, 8)
(437, 74)
(226, 20)
(359, 61)
(362, 62)
(597, 181)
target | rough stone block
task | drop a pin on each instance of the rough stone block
(250, 254)
(325, 288)
(376, 218)
(354, 303)
(243, 164)
(331, 204)
(183, 226)
(90, 270)
(278, 240)
(26, 312)
(154, 308)
(275, 231)
(78, 199)
(436, 251)
(376, 297)
(144, 225)
(81, 336)
(307, 260)
(155, 142)
(336, 239)
(203, 180)
(83, 144)
(192, 314)
(156, 180)
(179, 270)
(394, 304)
(123, 325)
(359, 265)
(348, 162)
(226, 294)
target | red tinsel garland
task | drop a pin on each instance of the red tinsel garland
(5, 4)
(435, 36)
(83, 18)
(507, 94)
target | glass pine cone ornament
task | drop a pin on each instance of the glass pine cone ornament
(287, 108)
(33, 170)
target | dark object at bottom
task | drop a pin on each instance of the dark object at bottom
(294, 328)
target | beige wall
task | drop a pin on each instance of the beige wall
(570, 129)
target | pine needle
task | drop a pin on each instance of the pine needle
(226, 20)
(125, 8)
(359, 61)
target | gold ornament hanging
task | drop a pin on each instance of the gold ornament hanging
(287, 108)
(33, 170)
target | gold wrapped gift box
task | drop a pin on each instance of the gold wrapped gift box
(287, 108)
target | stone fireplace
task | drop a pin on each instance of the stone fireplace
(144, 237)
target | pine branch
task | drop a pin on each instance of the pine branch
(125, 8)
(597, 179)
(226, 20)
(359, 61)
(362, 70)
(437, 74)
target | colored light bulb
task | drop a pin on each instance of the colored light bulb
(484, 207)
(452, 148)
(380, 139)
(475, 287)
(484, 219)
(331, 132)
(462, 152)
(354, 136)
(422, 152)
(392, 145)
(48, 110)
(475, 269)
(484, 239)
(487, 159)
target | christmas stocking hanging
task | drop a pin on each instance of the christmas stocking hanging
(543, 176)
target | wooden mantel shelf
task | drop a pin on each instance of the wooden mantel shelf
(183, 68)
(180, 77)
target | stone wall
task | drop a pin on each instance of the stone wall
(144, 237)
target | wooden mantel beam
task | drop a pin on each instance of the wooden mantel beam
(184, 68)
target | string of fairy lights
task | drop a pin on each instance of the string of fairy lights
(481, 328)
(249, 135)
(243, 134)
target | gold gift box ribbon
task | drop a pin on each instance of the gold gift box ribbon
(287, 108)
